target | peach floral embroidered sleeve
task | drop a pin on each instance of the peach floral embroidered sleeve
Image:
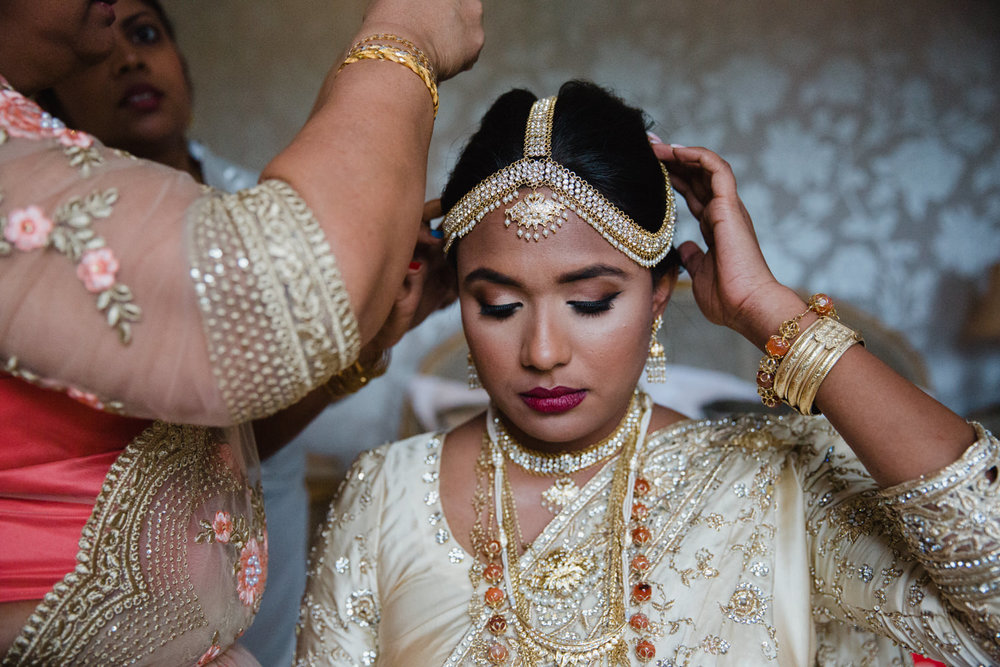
(176, 301)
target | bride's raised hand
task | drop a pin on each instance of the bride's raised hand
(732, 283)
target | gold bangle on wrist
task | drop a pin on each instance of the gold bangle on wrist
(780, 344)
(356, 376)
(392, 48)
(830, 339)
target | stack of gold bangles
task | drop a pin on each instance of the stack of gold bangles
(386, 46)
(794, 366)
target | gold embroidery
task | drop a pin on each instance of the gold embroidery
(274, 308)
(131, 594)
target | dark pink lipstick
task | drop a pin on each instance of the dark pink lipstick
(142, 97)
(553, 401)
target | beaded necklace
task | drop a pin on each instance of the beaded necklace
(564, 464)
(501, 551)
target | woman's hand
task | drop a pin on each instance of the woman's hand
(450, 32)
(731, 281)
(429, 285)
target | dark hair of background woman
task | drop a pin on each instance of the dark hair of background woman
(594, 134)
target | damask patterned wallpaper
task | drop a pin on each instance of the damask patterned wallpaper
(864, 134)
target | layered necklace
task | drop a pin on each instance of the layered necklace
(498, 541)
(562, 465)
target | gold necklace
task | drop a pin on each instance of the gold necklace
(564, 464)
(535, 643)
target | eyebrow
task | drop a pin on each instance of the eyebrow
(129, 20)
(595, 271)
(586, 273)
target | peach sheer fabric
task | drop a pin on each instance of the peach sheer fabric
(128, 286)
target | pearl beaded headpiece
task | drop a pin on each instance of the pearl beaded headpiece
(537, 216)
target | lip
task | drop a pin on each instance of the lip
(142, 97)
(553, 401)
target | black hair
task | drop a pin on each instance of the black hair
(594, 134)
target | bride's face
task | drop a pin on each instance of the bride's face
(559, 329)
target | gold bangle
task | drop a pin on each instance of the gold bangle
(833, 339)
(780, 345)
(788, 377)
(404, 53)
(356, 376)
(389, 37)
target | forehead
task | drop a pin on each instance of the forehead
(564, 242)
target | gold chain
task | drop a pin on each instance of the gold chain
(612, 643)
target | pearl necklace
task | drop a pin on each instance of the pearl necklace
(566, 463)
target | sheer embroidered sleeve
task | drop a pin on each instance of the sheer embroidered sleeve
(341, 609)
(133, 287)
(917, 563)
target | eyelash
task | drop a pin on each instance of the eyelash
(500, 312)
(584, 308)
(595, 308)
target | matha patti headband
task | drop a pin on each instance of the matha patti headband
(537, 216)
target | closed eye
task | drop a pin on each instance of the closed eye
(498, 312)
(594, 308)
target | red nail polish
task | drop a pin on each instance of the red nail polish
(415, 265)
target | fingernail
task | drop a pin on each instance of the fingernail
(437, 233)
(415, 265)
(677, 146)
(653, 139)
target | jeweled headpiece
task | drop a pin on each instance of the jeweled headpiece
(537, 215)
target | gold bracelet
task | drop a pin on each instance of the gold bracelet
(356, 376)
(405, 53)
(787, 378)
(779, 345)
(389, 37)
(831, 340)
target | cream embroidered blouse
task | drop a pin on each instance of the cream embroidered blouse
(770, 545)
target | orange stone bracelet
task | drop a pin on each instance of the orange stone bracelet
(778, 345)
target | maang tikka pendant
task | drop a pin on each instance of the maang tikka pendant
(536, 216)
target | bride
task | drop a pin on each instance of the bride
(575, 522)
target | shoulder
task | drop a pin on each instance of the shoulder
(750, 435)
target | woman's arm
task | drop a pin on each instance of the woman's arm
(361, 159)
(897, 431)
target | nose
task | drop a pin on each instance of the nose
(546, 343)
(126, 57)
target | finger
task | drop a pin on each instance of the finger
(691, 256)
(694, 204)
(432, 210)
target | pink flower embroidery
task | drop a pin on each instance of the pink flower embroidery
(97, 269)
(28, 228)
(213, 652)
(223, 526)
(85, 397)
(23, 118)
(68, 137)
(253, 573)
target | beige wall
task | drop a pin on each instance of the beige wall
(864, 134)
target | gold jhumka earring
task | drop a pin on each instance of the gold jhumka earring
(656, 363)
(473, 374)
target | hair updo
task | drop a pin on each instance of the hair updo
(594, 134)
